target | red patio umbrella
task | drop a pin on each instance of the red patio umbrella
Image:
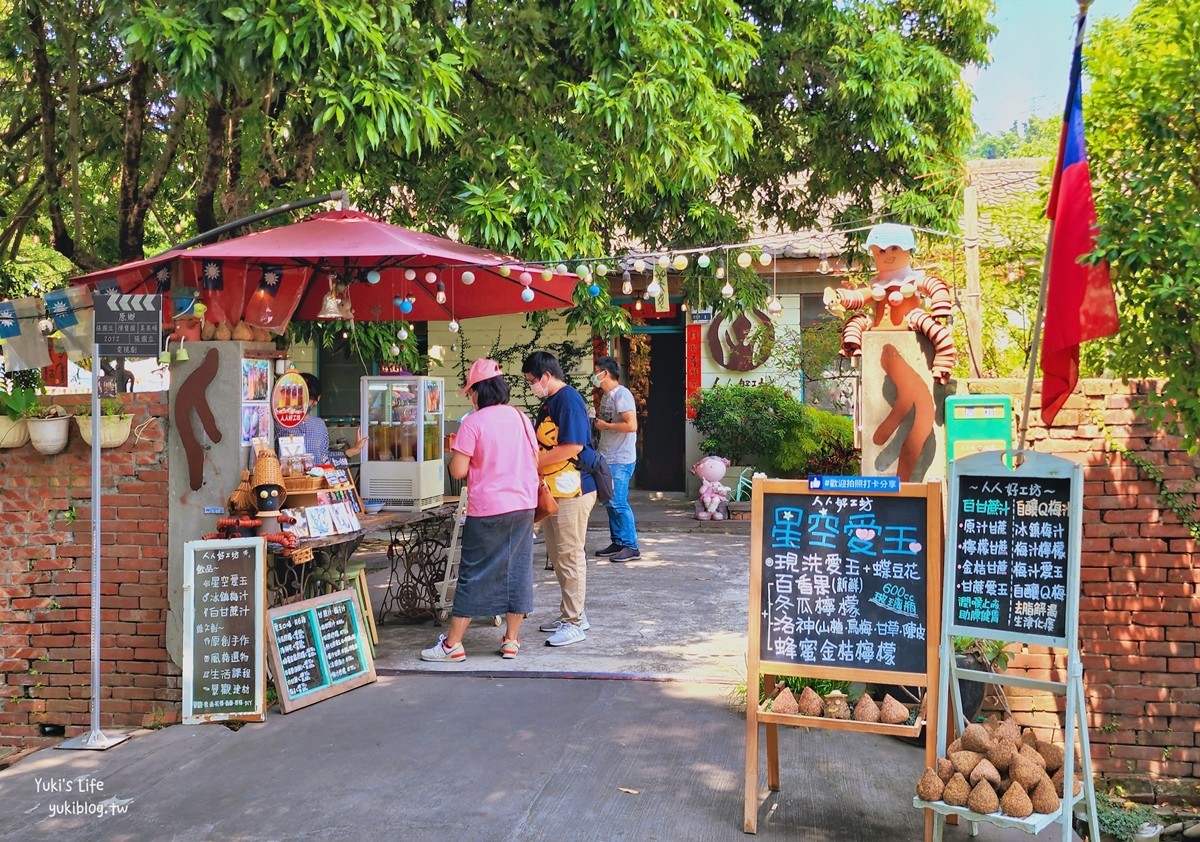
(376, 263)
(270, 277)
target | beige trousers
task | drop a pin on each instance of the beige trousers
(566, 533)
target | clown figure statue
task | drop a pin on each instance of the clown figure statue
(895, 298)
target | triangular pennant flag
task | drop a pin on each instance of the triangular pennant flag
(27, 347)
(71, 310)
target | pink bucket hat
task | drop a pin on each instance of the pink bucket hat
(483, 369)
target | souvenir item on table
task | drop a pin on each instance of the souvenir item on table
(299, 522)
(241, 501)
(320, 521)
(269, 492)
(344, 521)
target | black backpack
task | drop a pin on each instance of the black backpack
(600, 473)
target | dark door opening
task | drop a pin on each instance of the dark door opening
(660, 462)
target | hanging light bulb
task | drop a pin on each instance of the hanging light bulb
(764, 259)
(505, 271)
(664, 261)
(823, 267)
(774, 308)
(547, 275)
(601, 269)
(561, 269)
(406, 306)
(720, 273)
(527, 295)
(639, 265)
(373, 276)
(402, 334)
(680, 262)
(684, 306)
(468, 278)
(398, 301)
(395, 349)
(345, 334)
(743, 259)
(440, 297)
(525, 278)
(453, 326)
(727, 290)
(593, 290)
(626, 283)
(410, 274)
(431, 277)
(653, 288)
(703, 260)
(637, 305)
(582, 270)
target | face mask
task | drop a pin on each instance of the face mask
(539, 391)
(596, 380)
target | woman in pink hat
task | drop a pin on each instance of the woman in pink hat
(495, 451)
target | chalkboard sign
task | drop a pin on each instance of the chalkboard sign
(224, 601)
(845, 580)
(1013, 538)
(317, 649)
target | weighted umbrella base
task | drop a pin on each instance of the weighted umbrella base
(95, 741)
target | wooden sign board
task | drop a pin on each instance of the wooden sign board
(1013, 575)
(317, 649)
(224, 586)
(844, 585)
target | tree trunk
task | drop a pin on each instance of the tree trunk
(60, 235)
(132, 230)
(206, 190)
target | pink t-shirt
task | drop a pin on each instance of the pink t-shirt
(502, 476)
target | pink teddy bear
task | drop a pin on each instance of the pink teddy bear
(714, 496)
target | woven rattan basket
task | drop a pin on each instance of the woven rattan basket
(296, 485)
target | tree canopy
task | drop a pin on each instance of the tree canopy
(1036, 137)
(1143, 117)
(546, 129)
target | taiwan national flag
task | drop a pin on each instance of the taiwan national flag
(1080, 304)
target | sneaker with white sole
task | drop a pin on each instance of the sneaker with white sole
(611, 549)
(440, 652)
(554, 625)
(509, 648)
(567, 634)
(626, 554)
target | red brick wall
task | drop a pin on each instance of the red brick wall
(45, 582)
(1139, 613)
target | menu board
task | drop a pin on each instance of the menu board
(1012, 547)
(317, 649)
(225, 597)
(845, 581)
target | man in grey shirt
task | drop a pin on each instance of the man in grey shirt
(617, 425)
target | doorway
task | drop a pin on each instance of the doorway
(660, 461)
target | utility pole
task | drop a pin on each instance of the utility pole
(973, 308)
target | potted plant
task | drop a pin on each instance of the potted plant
(746, 423)
(49, 427)
(115, 423)
(15, 401)
(1121, 820)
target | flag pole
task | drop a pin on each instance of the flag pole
(1035, 346)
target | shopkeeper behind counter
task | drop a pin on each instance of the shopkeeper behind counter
(313, 429)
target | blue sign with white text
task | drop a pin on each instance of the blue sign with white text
(877, 485)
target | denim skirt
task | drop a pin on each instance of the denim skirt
(495, 573)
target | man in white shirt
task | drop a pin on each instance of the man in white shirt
(617, 425)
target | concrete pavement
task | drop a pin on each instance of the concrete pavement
(635, 733)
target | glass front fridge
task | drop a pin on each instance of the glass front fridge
(402, 464)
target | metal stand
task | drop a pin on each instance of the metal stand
(95, 739)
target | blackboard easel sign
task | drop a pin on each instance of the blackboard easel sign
(224, 587)
(844, 585)
(1012, 562)
(317, 649)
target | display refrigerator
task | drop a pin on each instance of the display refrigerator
(402, 465)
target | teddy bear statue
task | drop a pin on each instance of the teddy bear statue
(714, 497)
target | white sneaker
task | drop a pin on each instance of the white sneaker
(567, 634)
(554, 625)
(440, 652)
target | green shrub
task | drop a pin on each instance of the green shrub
(824, 447)
(745, 422)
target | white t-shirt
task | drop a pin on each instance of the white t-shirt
(617, 448)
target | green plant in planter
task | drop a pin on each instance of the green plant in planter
(744, 422)
(18, 394)
(1121, 819)
(42, 408)
(109, 408)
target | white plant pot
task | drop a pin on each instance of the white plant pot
(13, 433)
(49, 435)
(114, 429)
